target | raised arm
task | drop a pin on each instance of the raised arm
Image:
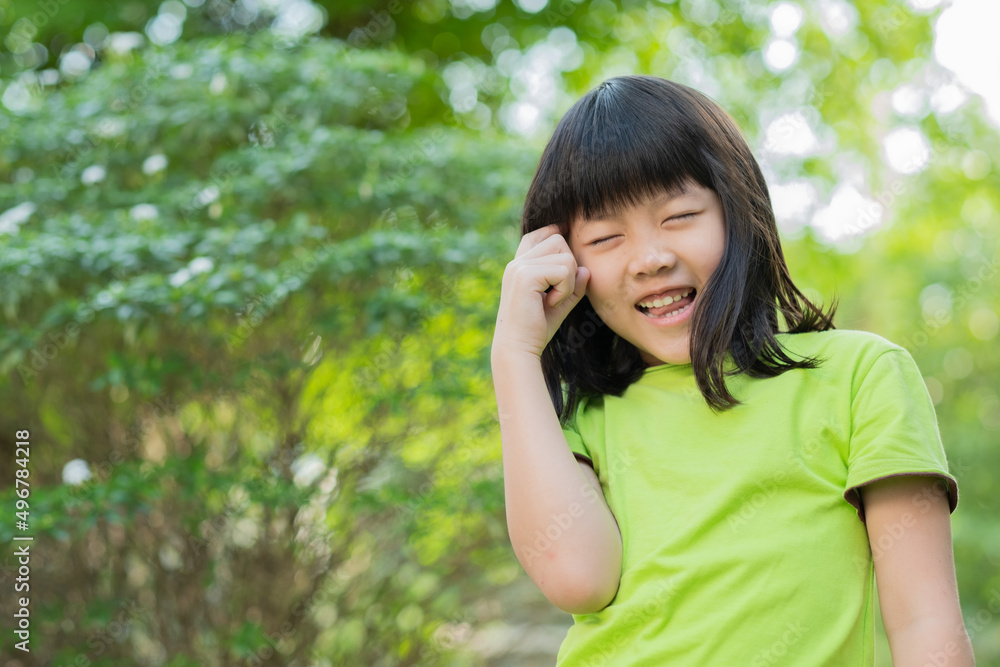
(562, 531)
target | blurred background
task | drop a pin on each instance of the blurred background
(250, 261)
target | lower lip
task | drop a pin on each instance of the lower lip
(671, 321)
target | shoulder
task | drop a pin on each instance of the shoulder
(845, 347)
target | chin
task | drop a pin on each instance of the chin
(668, 351)
(660, 359)
(672, 362)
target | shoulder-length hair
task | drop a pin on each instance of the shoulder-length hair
(629, 139)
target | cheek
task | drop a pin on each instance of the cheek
(606, 299)
(704, 255)
(716, 248)
(713, 256)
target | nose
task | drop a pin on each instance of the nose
(650, 256)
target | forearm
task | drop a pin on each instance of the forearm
(561, 529)
(942, 642)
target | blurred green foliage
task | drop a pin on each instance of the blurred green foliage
(250, 277)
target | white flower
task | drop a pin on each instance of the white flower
(170, 557)
(218, 83)
(164, 29)
(75, 472)
(181, 71)
(123, 42)
(181, 277)
(296, 19)
(200, 265)
(109, 127)
(207, 196)
(13, 218)
(154, 163)
(95, 173)
(75, 63)
(144, 212)
(307, 469)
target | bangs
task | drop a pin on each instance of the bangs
(614, 150)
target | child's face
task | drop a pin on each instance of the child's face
(651, 250)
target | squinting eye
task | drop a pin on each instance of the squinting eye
(676, 217)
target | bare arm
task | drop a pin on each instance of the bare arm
(910, 531)
(560, 526)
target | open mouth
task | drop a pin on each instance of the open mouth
(669, 307)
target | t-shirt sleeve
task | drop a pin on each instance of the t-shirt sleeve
(894, 429)
(575, 440)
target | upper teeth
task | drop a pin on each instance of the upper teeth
(656, 303)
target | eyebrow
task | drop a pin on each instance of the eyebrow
(680, 191)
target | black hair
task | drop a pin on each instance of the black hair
(631, 138)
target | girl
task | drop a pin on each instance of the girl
(698, 465)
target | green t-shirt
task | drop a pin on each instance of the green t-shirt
(743, 534)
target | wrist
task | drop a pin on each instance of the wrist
(509, 354)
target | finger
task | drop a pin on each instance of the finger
(551, 245)
(563, 287)
(564, 260)
(581, 280)
(533, 238)
(541, 277)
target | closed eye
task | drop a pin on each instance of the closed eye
(603, 240)
(608, 238)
